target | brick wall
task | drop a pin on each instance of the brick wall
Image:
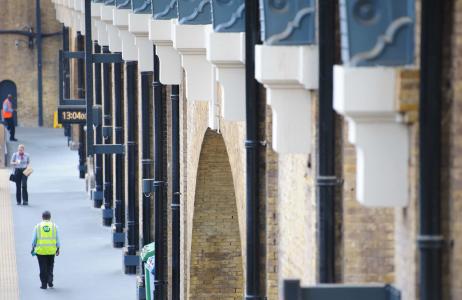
(216, 261)
(20, 64)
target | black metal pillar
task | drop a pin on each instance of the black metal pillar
(119, 165)
(89, 75)
(158, 184)
(430, 238)
(175, 193)
(98, 196)
(81, 95)
(39, 63)
(107, 219)
(326, 179)
(252, 145)
(130, 150)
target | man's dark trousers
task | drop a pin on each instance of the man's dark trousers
(10, 124)
(46, 263)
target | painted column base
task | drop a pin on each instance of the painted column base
(160, 33)
(189, 40)
(366, 97)
(227, 52)
(289, 73)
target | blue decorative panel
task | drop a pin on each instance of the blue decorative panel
(377, 32)
(195, 12)
(141, 6)
(123, 4)
(164, 9)
(109, 2)
(98, 1)
(228, 15)
(288, 22)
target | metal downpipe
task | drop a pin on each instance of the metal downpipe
(81, 95)
(66, 75)
(158, 182)
(175, 99)
(97, 203)
(107, 119)
(326, 179)
(39, 63)
(430, 239)
(130, 150)
(252, 145)
(146, 155)
(119, 165)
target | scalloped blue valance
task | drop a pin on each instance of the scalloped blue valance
(141, 6)
(228, 15)
(377, 32)
(288, 22)
(123, 4)
(110, 2)
(164, 9)
(195, 12)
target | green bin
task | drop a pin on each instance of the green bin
(146, 253)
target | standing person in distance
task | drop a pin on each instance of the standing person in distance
(46, 239)
(8, 115)
(21, 161)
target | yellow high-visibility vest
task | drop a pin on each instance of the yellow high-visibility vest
(46, 238)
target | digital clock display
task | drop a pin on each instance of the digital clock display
(72, 114)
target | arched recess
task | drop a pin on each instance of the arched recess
(216, 270)
(8, 87)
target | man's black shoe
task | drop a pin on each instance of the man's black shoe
(50, 284)
(14, 140)
(18, 203)
(43, 287)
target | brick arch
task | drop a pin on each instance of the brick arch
(216, 270)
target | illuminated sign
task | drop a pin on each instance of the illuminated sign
(72, 114)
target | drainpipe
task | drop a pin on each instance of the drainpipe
(67, 90)
(39, 63)
(107, 220)
(119, 165)
(252, 145)
(81, 95)
(146, 155)
(326, 179)
(158, 182)
(131, 145)
(430, 238)
(175, 99)
(97, 197)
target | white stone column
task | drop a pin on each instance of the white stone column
(365, 97)
(138, 25)
(289, 73)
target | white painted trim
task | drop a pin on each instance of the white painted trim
(129, 49)
(160, 33)
(115, 43)
(121, 18)
(366, 96)
(289, 73)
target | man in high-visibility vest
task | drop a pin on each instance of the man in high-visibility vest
(46, 239)
(8, 116)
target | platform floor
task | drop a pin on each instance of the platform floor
(87, 267)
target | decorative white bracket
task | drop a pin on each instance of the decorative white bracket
(366, 97)
(107, 16)
(102, 37)
(129, 49)
(190, 40)
(289, 73)
(160, 33)
(227, 52)
(138, 25)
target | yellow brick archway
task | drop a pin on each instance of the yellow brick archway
(216, 269)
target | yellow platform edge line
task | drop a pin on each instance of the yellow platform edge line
(9, 284)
